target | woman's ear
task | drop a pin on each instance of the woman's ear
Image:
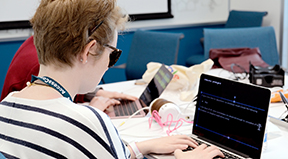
(90, 47)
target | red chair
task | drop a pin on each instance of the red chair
(24, 64)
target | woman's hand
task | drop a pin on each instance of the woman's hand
(103, 103)
(105, 99)
(202, 152)
(115, 95)
(167, 144)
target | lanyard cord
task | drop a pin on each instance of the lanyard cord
(52, 83)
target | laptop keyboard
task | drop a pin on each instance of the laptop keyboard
(226, 154)
(126, 108)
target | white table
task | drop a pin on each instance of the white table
(137, 129)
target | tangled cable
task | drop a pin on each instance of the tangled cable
(155, 116)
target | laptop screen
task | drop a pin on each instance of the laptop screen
(156, 86)
(232, 114)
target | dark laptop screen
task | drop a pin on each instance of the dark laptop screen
(232, 114)
(156, 86)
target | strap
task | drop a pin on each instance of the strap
(52, 83)
(136, 151)
(89, 96)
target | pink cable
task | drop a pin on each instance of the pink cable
(157, 118)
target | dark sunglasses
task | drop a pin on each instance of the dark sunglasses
(114, 55)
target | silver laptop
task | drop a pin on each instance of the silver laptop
(230, 115)
(153, 90)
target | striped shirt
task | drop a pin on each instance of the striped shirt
(57, 128)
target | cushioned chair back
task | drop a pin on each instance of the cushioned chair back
(2, 156)
(151, 46)
(239, 19)
(262, 37)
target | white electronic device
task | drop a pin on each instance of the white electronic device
(165, 108)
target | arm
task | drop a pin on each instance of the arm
(164, 145)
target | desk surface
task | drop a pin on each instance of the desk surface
(137, 129)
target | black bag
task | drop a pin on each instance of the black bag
(267, 76)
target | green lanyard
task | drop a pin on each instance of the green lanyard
(52, 83)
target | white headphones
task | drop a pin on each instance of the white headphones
(164, 108)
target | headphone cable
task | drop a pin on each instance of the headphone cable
(133, 116)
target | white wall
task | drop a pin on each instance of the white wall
(187, 13)
(274, 9)
(285, 36)
(17, 10)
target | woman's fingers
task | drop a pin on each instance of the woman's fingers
(184, 141)
(203, 152)
(118, 95)
(112, 102)
(214, 151)
(103, 103)
(115, 95)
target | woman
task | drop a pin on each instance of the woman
(76, 43)
(25, 63)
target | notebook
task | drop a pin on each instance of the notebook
(153, 90)
(230, 115)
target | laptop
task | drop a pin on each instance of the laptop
(231, 115)
(153, 90)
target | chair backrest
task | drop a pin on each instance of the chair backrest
(23, 65)
(261, 37)
(239, 19)
(2, 156)
(151, 46)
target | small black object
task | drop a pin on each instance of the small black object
(271, 76)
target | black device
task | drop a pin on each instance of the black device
(270, 76)
(231, 115)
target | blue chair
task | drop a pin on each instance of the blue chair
(240, 19)
(150, 46)
(236, 19)
(262, 37)
(2, 156)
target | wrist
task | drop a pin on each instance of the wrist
(135, 150)
(145, 147)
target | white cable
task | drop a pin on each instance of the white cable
(176, 131)
(133, 115)
(187, 105)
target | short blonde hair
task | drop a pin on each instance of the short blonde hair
(61, 27)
